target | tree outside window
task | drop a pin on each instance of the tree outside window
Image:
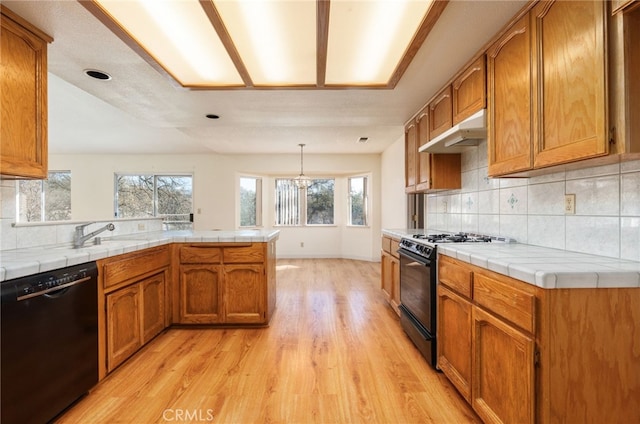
(48, 200)
(313, 206)
(166, 196)
(250, 201)
(358, 201)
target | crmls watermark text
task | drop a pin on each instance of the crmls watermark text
(193, 415)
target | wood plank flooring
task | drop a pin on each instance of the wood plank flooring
(334, 353)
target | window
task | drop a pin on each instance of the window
(166, 196)
(48, 200)
(313, 206)
(358, 201)
(250, 202)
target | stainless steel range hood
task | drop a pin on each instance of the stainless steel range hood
(456, 139)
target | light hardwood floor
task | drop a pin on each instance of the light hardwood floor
(334, 353)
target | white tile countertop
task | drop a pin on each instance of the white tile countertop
(22, 262)
(541, 266)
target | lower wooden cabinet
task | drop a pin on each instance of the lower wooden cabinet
(486, 357)
(454, 339)
(390, 272)
(503, 370)
(226, 284)
(135, 315)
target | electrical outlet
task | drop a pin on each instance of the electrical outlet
(140, 227)
(569, 203)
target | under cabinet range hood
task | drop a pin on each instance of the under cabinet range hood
(457, 138)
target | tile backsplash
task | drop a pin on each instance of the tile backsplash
(531, 210)
(25, 235)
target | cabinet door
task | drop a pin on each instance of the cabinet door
(200, 294)
(440, 110)
(470, 91)
(509, 92)
(410, 150)
(570, 89)
(23, 133)
(395, 284)
(423, 159)
(123, 325)
(386, 276)
(153, 306)
(244, 298)
(454, 339)
(503, 371)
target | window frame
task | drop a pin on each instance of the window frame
(302, 214)
(155, 193)
(43, 197)
(365, 201)
(259, 214)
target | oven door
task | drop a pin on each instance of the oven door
(418, 289)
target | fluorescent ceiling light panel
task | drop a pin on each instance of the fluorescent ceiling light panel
(179, 36)
(367, 39)
(276, 39)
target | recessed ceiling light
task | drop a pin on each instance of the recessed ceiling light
(94, 73)
(212, 116)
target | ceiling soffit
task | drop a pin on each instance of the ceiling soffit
(317, 61)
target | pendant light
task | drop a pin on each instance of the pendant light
(301, 181)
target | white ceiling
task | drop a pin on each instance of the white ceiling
(142, 111)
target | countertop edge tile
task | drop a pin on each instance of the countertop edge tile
(18, 263)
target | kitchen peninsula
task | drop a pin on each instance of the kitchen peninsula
(150, 281)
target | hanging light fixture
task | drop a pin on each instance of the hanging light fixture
(301, 181)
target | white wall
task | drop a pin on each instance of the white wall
(215, 194)
(394, 200)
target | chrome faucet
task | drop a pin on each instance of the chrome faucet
(79, 237)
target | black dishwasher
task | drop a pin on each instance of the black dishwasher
(49, 342)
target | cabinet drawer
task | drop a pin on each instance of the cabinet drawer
(244, 254)
(457, 277)
(200, 255)
(133, 265)
(395, 245)
(509, 299)
(386, 244)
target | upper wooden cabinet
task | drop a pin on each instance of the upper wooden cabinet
(509, 91)
(623, 5)
(23, 124)
(547, 88)
(425, 171)
(440, 113)
(570, 91)
(469, 91)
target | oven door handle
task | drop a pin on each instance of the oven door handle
(421, 259)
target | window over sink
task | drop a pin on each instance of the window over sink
(155, 195)
(44, 200)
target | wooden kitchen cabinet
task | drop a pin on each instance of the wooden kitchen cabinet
(547, 89)
(488, 358)
(23, 104)
(200, 294)
(454, 339)
(509, 112)
(469, 91)
(440, 113)
(226, 283)
(535, 354)
(134, 291)
(425, 170)
(623, 5)
(410, 156)
(390, 272)
(569, 56)
(123, 325)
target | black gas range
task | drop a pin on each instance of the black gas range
(418, 283)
